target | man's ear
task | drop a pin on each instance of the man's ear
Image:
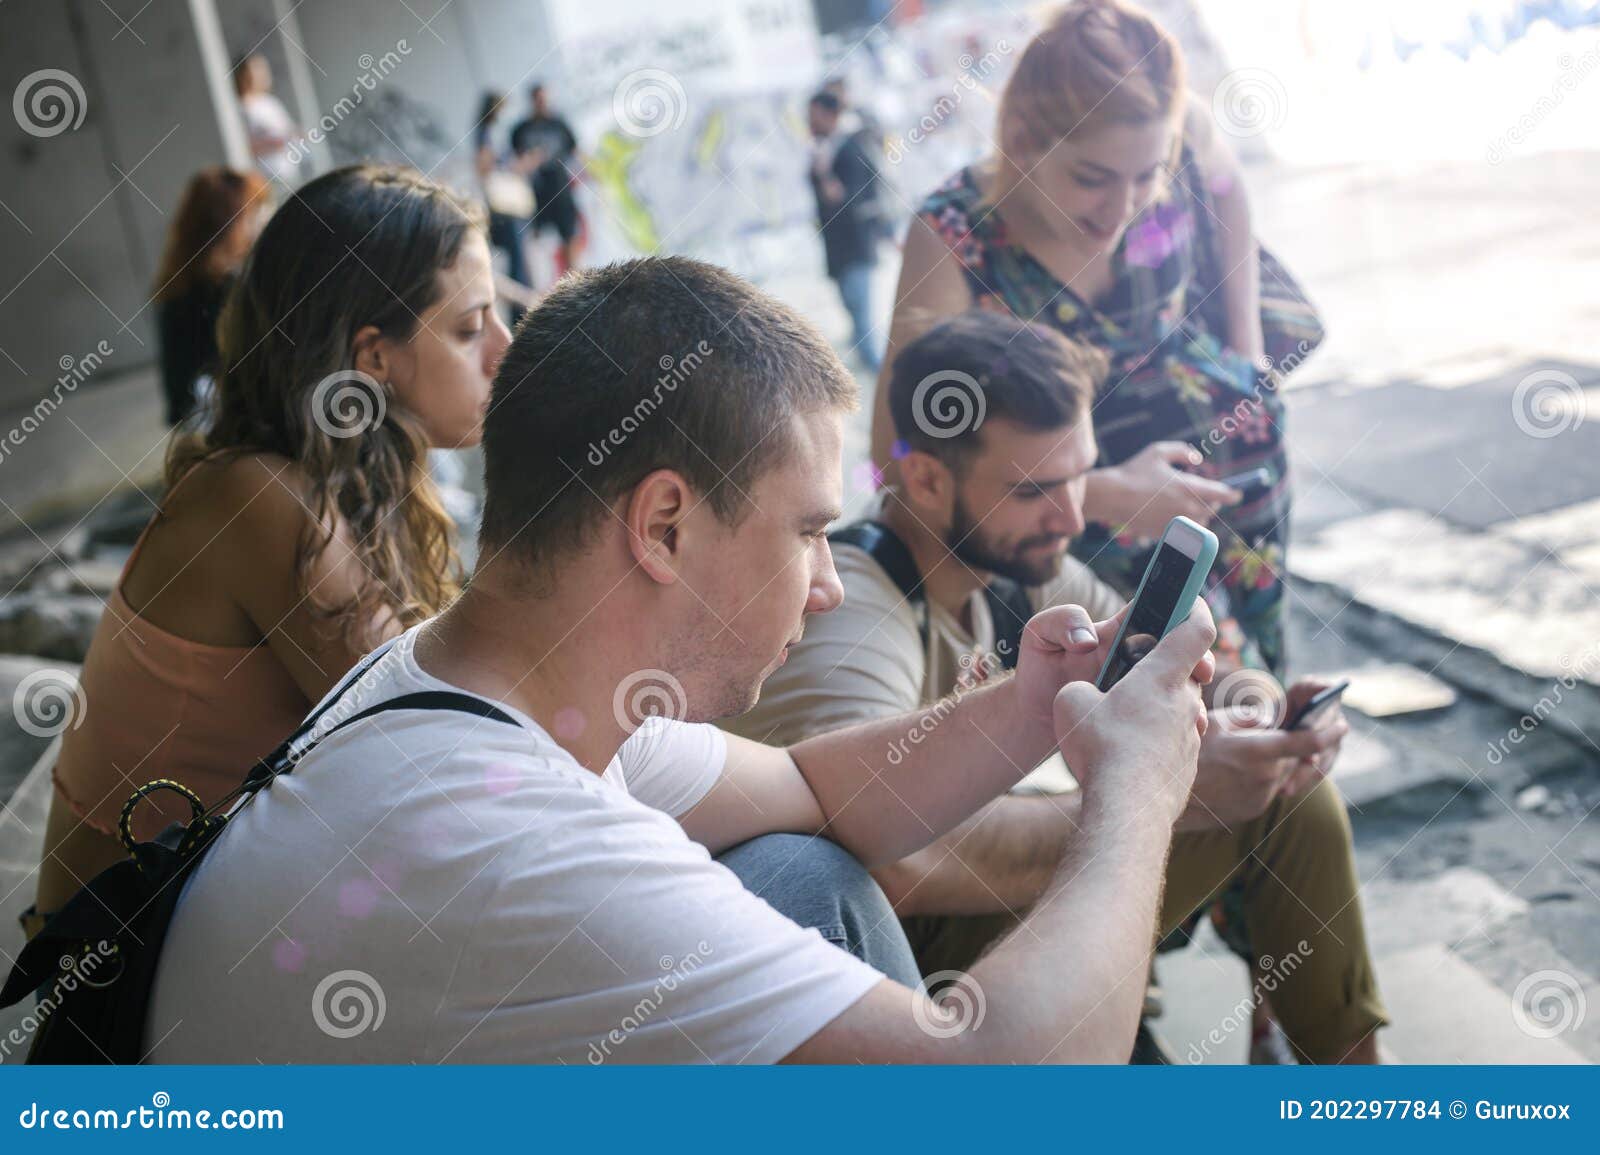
(654, 515)
(925, 481)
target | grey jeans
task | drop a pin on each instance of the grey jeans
(817, 883)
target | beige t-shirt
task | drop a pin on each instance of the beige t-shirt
(867, 659)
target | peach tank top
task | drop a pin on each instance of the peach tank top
(159, 706)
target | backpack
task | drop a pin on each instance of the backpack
(99, 953)
(1009, 604)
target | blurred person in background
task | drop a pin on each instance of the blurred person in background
(300, 527)
(217, 221)
(544, 140)
(506, 193)
(268, 122)
(844, 179)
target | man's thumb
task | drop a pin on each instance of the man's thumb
(1177, 654)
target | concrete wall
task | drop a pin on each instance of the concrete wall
(87, 198)
(147, 94)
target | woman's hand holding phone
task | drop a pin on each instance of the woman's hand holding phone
(1145, 492)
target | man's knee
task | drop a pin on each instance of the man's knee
(817, 883)
(1315, 822)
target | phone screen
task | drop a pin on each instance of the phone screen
(1168, 574)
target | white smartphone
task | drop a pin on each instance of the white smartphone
(1166, 594)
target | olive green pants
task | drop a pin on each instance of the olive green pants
(1302, 908)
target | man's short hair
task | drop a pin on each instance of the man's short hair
(980, 365)
(827, 101)
(658, 363)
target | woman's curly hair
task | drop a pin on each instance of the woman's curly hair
(363, 245)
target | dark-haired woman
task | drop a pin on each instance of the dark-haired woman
(217, 221)
(300, 527)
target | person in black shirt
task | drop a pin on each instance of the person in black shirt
(217, 221)
(547, 141)
(504, 192)
(844, 177)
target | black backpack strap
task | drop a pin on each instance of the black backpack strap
(1009, 609)
(1009, 604)
(884, 547)
(285, 757)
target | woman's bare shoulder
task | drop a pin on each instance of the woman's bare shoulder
(244, 511)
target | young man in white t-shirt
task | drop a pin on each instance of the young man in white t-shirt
(662, 461)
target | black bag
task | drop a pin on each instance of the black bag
(98, 955)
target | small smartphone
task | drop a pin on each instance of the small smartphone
(1320, 703)
(1165, 595)
(1250, 483)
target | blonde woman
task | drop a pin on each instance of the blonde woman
(1112, 211)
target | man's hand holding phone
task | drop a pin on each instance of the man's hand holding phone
(1245, 762)
(1325, 720)
(1133, 748)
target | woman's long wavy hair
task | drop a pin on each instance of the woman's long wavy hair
(363, 245)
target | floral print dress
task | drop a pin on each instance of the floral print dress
(1171, 379)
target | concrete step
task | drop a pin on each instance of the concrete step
(1444, 1011)
(1501, 612)
(1444, 1007)
(21, 842)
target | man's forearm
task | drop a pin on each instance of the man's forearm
(999, 860)
(889, 787)
(1068, 983)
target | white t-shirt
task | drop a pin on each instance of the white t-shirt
(430, 886)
